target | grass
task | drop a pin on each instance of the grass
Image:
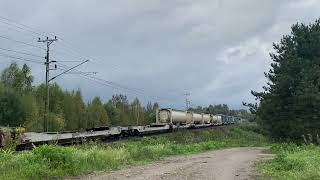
(292, 162)
(54, 162)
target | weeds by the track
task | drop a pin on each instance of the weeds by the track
(52, 162)
(292, 162)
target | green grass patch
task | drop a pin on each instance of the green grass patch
(55, 162)
(292, 162)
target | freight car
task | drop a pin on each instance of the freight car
(167, 120)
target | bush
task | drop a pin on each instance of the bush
(55, 162)
(293, 162)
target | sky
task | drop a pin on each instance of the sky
(156, 50)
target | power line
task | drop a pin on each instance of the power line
(68, 70)
(29, 29)
(28, 44)
(72, 52)
(64, 43)
(21, 42)
(20, 52)
(110, 83)
(68, 61)
(86, 76)
(22, 59)
(32, 30)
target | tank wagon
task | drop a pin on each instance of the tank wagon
(167, 120)
(178, 117)
(216, 120)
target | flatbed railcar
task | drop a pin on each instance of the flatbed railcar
(167, 120)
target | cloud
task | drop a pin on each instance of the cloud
(215, 49)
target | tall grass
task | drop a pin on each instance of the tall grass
(293, 163)
(54, 162)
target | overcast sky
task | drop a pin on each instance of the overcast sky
(215, 49)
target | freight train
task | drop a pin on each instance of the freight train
(167, 120)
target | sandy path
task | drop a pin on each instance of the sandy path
(227, 164)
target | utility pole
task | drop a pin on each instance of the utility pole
(47, 63)
(187, 100)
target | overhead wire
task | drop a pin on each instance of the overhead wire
(21, 42)
(32, 45)
(64, 43)
(21, 58)
(20, 52)
(106, 81)
(68, 46)
(111, 84)
(86, 76)
(13, 25)
(30, 28)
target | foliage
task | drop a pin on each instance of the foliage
(293, 162)
(290, 103)
(97, 115)
(53, 162)
(22, 104)
(11, 110)
(19, 80)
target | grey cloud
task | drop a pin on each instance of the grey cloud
(217, 50)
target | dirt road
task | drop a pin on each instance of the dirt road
(228, 164)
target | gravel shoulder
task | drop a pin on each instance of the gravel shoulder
(227, 164)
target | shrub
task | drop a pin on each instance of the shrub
(293, 162)
(55, 162)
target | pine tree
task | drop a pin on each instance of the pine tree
(290, 103)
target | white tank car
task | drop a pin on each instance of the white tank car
(216, 120)
(174, 116)
(206, 118)
(197, 118)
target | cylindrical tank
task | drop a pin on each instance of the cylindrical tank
(172, 116)
(197, 118)
(216, 120)
(189, 117)
(206, 118)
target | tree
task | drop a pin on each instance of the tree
(137, 113)
(290, 103)
(79, 110)
(11, 110)
(32, 119)
(22, 104)
(113, 113)
(97, 115)
(122, 104)
(16, 79)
